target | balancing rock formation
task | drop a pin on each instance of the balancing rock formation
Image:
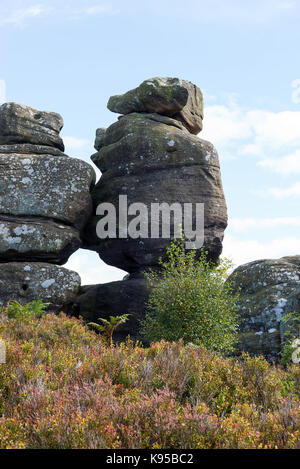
(269, 289)
(45, 202)
(152, 155)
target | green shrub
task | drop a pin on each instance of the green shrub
(191, 301)
(33, 309)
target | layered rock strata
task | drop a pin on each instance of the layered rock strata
(45, 200)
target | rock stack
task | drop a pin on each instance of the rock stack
(45, 203)
(269, 289)
(151, 155)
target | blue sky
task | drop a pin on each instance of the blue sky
(71, 56)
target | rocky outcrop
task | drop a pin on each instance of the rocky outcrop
(45, 202)
(269, 289)
(153, 158)
(25, 282)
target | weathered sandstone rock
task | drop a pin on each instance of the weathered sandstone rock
(25, 282)
(154, 159)
(22, 124)
(268, 290)
(44, 195)
(44, 185)
(173, 97)
(31, 239)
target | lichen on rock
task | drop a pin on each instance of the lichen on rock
(269, 289)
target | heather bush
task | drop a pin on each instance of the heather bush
(63, 387)
(191, 301)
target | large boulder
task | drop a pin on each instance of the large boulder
(23, 124)
(31, 239)
(25, 282)
(268, 289)
(153, 159)
(173, 97)
(114, 299)
(48, 186)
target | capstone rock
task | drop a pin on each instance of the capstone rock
(173, 97)
(23, 124)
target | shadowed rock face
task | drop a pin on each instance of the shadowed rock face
(153, 159)
(25, 282)
(23, 124)
(269, 289)
(113, 299)
(44, 195)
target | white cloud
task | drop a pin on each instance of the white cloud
(291, 191)
(18, 16)
(289, 164)
(258, 131)
(243, 251)
(2, 91)
(240, 225)
(273, 129)
(223, 124)
(73, 11)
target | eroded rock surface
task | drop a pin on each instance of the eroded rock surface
(154, 159)
(25, 282)
(43, 185)
(173, 97)
(30, 239)
(23, 124)
(269, 289)
(45, 196)
(151, 156)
